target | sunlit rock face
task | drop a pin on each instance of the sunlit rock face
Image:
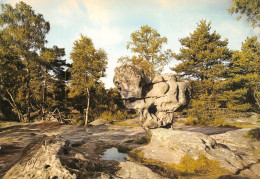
(155, 100)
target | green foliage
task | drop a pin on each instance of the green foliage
(123, 149)
(250, 8)
(220, 78)
(32, 76)
(88, 67)
(147, 44)
(24, 32)
(254, 133)
(242, 84)
(77, 119)
(143, 140)
(117, 116)
(203, 54)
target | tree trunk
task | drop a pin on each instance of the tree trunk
(28, 95)
(87, 109)
(44, 93)
(14, 106)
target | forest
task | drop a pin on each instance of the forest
(37, 83)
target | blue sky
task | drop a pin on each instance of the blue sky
(109, 23)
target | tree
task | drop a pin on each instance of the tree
(27, 31)
(53, 77)
(88, 67)
(204, 58)
(203, 55)
(248, 7)
(147, 44)
(11, 77)
(243, 84)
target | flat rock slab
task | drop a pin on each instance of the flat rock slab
(206, 130)
(236, 153)
(52, 149)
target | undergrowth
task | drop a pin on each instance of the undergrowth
(123, 123)
(254, 134)
(218, 119)
(116, 116)
(143, 140)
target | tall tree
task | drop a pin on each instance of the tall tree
(27, 30)
(147, 44)
(88, 67)
(204, 58)
(11, 77)
(53, 74)
(248, 7)
(203, 54)
(243, 82)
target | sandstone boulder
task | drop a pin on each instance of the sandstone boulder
(155, 100)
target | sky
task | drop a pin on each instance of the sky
(109, 23)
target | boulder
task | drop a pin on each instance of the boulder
(175, 144)
(155, 100)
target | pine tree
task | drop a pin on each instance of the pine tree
(204, 58)
(243, 84)
(203, 55)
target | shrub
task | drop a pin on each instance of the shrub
(78, 119)
(116, 116)
(143, 140)
(123, 149)
(254, 134)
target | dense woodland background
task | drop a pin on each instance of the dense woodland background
(36, 82)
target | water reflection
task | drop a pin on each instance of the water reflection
(113, 154)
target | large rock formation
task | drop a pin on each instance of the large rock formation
(155, 100)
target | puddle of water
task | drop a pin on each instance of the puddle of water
(113, 154)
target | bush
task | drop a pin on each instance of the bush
(78, 119)
(254, 134)
(143, 140)
(116, 116)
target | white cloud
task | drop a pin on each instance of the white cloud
(104, 36)
(98, 10)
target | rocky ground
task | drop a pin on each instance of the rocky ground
(54, 150)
